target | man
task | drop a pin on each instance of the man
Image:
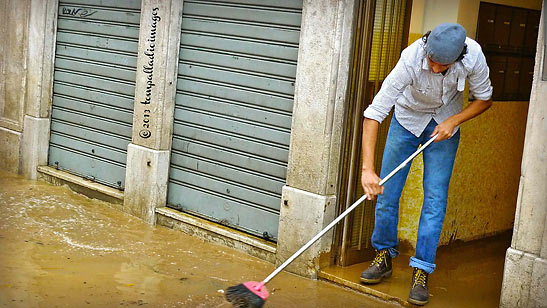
(426, 88)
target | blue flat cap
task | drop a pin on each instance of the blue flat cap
(445, 43)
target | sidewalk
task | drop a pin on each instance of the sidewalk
(61, 249)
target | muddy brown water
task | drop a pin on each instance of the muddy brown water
(62, 249)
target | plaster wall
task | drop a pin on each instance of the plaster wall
(525, 271)
(416, 20)
(484, 185)
(531, 212)
(34, 148)
(319, 95)
(425, 16)
(148, 172)
(14, 24)
(439, 11)
(10, 151)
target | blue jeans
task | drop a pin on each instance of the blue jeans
(438, 164)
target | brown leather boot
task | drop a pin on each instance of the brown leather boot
(419, 294)
(379, 268)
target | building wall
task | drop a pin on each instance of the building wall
(308, 198)
(525, 271)
(416, 20)
(490, 151)
(12, 80)
(437, 12)
(484, 186)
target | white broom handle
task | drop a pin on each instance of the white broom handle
(344, 214)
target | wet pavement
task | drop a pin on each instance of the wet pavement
(62, 249)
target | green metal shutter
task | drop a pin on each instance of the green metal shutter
(233, 110)
(94, 88)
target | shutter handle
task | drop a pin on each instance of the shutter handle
(491, 21)
(501, 72)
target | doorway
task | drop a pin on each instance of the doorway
(380, 36)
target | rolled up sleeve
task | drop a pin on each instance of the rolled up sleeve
(392, 87)
(479, 82)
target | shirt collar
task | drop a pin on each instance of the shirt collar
(425, 65)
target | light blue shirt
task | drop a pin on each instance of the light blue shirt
(420, 95)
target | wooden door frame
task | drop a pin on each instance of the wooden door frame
(351, 143)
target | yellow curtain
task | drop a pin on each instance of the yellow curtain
(387, 37)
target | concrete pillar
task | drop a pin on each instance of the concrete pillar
(309, 197)
(157, 64)
(39, 90)
(147, 171)
(35, 145)
(14, 19)
(525, 273)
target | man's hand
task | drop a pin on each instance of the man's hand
(444, 130)
(370, 182)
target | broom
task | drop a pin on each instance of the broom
(252, 294)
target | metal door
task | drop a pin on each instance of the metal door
(94, 88)
(233, 111)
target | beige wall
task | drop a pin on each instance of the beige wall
(438, 12)
(425, 16)
(484, 186)
(416, 20)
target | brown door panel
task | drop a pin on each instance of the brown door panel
(518, 28)
(532, 27)
(497, 75)
(502, 26)
(485, 27)
(512, 77)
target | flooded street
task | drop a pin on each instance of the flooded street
(62, 249)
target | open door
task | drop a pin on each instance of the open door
(381, 35)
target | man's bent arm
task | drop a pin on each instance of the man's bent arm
(446, 128)
(472, 110)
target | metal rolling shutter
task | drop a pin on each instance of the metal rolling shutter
(94, 88)
(233, 111)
